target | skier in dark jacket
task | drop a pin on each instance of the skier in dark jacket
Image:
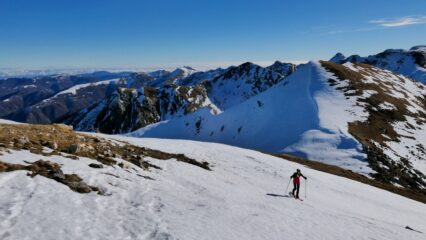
(296, 182)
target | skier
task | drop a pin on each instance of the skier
(296, 182)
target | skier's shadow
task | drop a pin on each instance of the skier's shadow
(277, 195)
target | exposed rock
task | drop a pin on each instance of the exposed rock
(95, 165)
(53, 171)
(127, 109)
(80, 187)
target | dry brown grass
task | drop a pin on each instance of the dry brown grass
(64, 141)
(379, 124)
(379, 121)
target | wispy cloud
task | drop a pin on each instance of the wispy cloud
(384, 23)
(400, 22)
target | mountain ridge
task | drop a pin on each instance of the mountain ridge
(338, 100)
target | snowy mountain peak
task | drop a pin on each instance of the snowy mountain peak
(419, 48)
(182, 72)
(158, 73)
(285, 69)
(338, 58)
(237, 84)
(240, 70)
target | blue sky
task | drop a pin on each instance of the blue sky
(150, 33)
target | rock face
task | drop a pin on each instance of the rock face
(129, 109)
(410, 63)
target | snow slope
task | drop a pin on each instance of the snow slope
(4, 121)
(293, 117)
(73, 90)
(241, 198)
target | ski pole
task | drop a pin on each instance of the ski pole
(287, 186)
(306, 184)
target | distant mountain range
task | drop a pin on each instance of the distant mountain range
(48, 99)
(410, 63)
(366, 114)
(169, 95)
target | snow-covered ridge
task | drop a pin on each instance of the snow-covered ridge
(419, 48)
(4, 121)
(73, 90)
(317, 113)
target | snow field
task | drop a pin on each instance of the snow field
(188, 202)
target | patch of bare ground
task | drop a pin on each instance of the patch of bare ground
(412, 194)
(53, 171)
(378, 128)
(61, 140)
(64, 141)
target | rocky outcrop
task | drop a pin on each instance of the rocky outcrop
(53, 171)
(130, 109)
(74, 145)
